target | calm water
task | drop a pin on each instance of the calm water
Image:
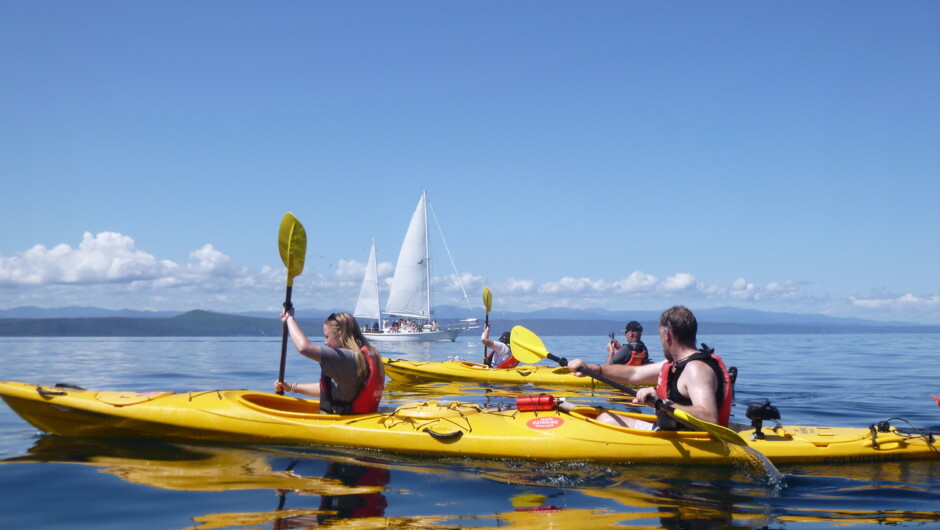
(837, 380)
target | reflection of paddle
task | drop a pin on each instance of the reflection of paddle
(292, 243)
(528, 348)
(282, 494)
(488, 303)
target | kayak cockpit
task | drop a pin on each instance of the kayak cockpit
(280, 405)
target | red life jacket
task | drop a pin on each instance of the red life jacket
(638, 357)
(511, 362)
(370, 395)
(667, 385)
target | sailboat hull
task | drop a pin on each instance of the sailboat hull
(414, 336)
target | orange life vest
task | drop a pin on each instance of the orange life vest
(369, 396)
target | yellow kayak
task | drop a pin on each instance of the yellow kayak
(535, 374)
(435, 428)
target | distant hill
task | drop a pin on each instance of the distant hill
(81, 312)
(95, 322)
(191, 324)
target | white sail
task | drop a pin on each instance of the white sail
(368, 304)
(409, 295)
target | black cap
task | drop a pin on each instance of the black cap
(504, 338)
(633, 325)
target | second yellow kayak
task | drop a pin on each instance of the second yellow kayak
(539, 375)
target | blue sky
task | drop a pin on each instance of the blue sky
(619, 155)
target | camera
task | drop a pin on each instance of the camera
(757, 412)
(611, 335)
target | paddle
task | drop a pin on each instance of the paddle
(528, 348)
(488, 303)
(292, 244)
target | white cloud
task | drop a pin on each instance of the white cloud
(900, 303)
(123, 275)
(516, 285)
(679, 282)
(637, 282)
(353, 271)
(788, 290)
(454, 284)
(107, 257)
(350, 271)
(211, 261)
(742, 290)
(572, 285)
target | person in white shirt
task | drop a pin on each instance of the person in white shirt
(499, 356)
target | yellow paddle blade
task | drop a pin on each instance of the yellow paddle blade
(487, 299)
(527, 500)
(722, 433)
(292, 244)
(526, 346)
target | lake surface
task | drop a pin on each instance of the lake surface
(836, 380)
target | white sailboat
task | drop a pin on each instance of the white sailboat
(409, 299)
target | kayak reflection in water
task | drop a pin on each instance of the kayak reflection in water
(339, 507)
(361, 505)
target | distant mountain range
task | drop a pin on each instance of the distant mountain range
(191, 324)
(97, 322)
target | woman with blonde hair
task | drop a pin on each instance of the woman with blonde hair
(352, 376)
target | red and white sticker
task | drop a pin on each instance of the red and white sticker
(545, 422)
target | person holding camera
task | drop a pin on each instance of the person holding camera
(634, 352)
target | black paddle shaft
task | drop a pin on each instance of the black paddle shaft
(591, 373)
(594, 375)
(484, 346)
(287, 307)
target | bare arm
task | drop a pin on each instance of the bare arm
(311, 389)
(300, 340)
(485, 339)
(621, 373)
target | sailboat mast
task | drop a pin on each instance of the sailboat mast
(375, 269)
(427, 254)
